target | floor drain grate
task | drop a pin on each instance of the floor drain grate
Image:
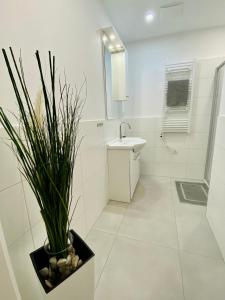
(192, 192)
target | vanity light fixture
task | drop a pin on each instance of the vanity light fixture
(149, 17)
(112, 37)
(105, 38)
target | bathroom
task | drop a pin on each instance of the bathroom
(149, 244)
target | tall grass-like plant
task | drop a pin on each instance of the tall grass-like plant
(48, 145)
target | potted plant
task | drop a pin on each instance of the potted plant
(46, 147)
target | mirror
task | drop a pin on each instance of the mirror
(115, 60)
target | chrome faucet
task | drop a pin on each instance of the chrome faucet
(125, 123)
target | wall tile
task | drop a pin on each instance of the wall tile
(206, 68)
(173, 139)
(9, 174)
(200, 124)
(220, 140)
(218, 166)
(164, 169)
(195, 171)
(144, 124)
(197, 140)
(203, 87)
(78, 221)
(165, 155)
(32, 204)
(196, 155)
(157, 159)
(111, 130)
(202, 106)
(148, 168)
(93, 149)
(94, 197)
(148, 154)
(13, 213)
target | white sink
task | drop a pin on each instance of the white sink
(127, 143)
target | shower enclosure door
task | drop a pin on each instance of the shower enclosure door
(218, 80)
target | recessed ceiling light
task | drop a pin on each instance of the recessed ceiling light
(118, 46)
(149, 17)
(105, 38)
(112, 37)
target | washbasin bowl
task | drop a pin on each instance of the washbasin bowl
(127, 143)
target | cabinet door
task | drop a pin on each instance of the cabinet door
(119, 179)
(134, 171)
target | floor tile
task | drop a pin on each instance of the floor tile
(152, 229)
(203, 277)
(152, 203)
(162, 210)
(184, 208)
(194, 232)
(154, 182)
(195, 235)
(101, 243)
(188, 208)
(144, 263)
(150, 217)
(140, 271)
(152, 193)
(111, 218)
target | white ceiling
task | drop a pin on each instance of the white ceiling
(128, 17)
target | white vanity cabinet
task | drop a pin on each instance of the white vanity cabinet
(124, 173)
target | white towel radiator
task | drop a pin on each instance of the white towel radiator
(178, 119)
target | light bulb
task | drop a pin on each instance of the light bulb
(105, 38)
(111, 48)
(112, 37)
(149, 17)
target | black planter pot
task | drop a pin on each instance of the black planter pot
(40, 259)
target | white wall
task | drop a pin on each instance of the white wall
(9, 289)
(69, 29)
(216, 200)
(147, 60)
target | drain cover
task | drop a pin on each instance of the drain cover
(192, 192)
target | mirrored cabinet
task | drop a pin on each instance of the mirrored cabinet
(115, 60)
(119, 76)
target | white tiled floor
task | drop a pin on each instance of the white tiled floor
(156, 248)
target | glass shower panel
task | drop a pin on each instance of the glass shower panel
(217, 92)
